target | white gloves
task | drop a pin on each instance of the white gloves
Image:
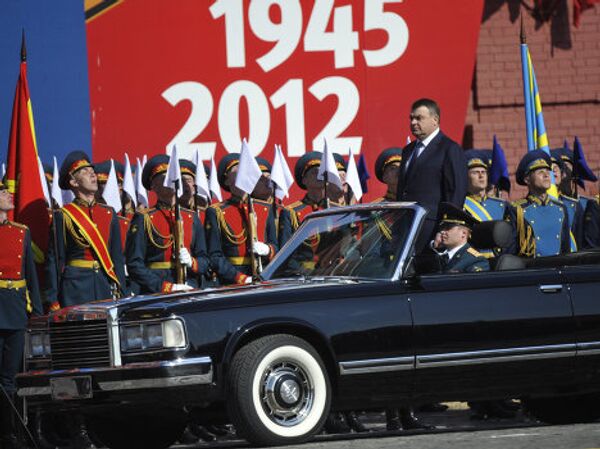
(248, 280)
(260, 248)
(181, 287)
(184, 257)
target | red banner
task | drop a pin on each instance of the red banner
(203, 74)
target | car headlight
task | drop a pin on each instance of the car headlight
(167, 334)
(38, 344)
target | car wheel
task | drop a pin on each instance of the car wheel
(278, 391)
(565, 410)
(137, 431)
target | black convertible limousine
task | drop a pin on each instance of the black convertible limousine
(346, 317)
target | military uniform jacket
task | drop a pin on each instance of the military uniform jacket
(466, 260)
(74, 272)
(149, 253)
(541, 227)
(228, 239)
(489, 208)
(591, 226)
(575, 214)
(17, 267)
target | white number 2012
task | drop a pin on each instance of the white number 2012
(290, 96)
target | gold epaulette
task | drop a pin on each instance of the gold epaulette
(472, 251)
(18, 225)
(519, 202)
(295, 204)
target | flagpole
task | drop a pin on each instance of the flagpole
(326, 178)
(178, 237)
(255, 259)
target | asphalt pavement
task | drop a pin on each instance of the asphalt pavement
(455, 429)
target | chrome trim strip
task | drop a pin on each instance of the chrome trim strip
(159, 382)
(419, 218)
(588, 348)
(496, 356)
(377, 365)
(551, 288)
(113, 335)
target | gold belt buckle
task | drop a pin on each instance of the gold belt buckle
(9, 283)
(95, 265)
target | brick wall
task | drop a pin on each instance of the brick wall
(567, 64)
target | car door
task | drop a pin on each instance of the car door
(491, 334)
(583, 283)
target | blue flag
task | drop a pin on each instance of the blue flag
(363, 172)
(499, 169)
(581, 170)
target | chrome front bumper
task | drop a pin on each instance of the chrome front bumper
(133, 376)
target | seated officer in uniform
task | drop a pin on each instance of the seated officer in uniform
(387, 169)
(231, 249)
(574, 209)
(477, 202)
(153, 258)
(19, 298)
(540, 222)
(452, 242)
(87, 263)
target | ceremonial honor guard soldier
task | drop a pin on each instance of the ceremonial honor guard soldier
(19, 298)
(574, 208)
(305, 174)
(478, 203)
(190, 198)
(387, 169)
(541, 223)
(86, 262)
(230, 245)
(154, 257)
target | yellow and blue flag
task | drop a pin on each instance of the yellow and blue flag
(537, 138)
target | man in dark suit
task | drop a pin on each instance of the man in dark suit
(433, 169)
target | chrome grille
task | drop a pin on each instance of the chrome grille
(79, 344)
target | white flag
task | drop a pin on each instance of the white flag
(142, 195)
(281, 174)
(111, 193)
(328, 166)
(408, 140)
(174, 172)
(201, 181)
(44, 182)
(3, 171)
(352, 177)
(213, 182)
(128, 183)
(56, 192)
(248, 172)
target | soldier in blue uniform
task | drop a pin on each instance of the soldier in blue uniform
(19, 298)
(152, 253)
(230, 245)
(87, 263)
(541, 223)
(478, 203)
(574, 208)
(387, 169)
(452, 242)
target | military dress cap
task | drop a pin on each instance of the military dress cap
(225, 165)
(75, 160)
(305, 163)
(264, 165)
(156, 165)
(450, 216)
(532, 160)
(387, 156)
(102, 171)
(565, 154)
(340, 162)
(477, 158)
(187, 168)
(556, 158)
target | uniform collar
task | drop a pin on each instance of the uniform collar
(83, 203)
(164, 206)
(452, 252)
(537, 200)
(478, 198)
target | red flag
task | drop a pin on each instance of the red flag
(22, 174)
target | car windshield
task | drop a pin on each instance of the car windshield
(354, 243)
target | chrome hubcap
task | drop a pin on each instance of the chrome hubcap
(287, 393)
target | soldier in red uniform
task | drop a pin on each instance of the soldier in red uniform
(230, 245)
(19, 297)
(152, 253)
(87, 263)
